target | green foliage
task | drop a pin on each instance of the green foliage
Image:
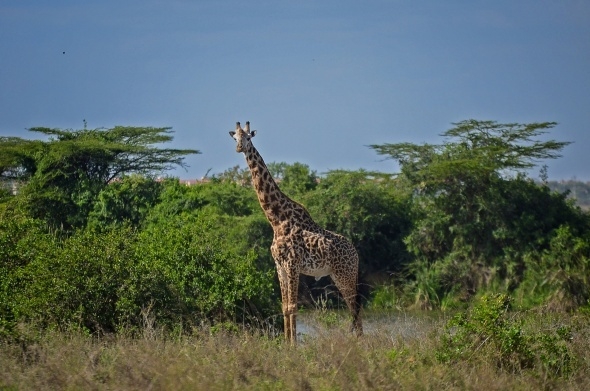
(127, 200)
(22, 239)
(76, 281)
(426, 285)
(228, 198)
(248, 234)
(295, 179)
(231, 210)
(475, 214)
(64, 175)
(473, 251)
(5, 191)
(217, 197)
(186, 272)
(105, 154)
(17, 158)
(488, 329)
(175, 199)
(179, 273)
(475, 149)
(558, 276)
(386, 297)
(235, 174)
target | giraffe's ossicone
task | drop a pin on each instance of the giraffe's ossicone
(300, 246)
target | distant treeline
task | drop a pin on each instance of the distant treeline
(577, 190)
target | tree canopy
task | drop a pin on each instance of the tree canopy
(64, 174)
(97, 154)
(475, 148)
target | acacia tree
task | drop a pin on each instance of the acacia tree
(474, 150)
(475, 211)
(64, 175)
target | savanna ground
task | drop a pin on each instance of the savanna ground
(399, 351)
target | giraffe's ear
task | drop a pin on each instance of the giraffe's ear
(232, 133)
(253, 133)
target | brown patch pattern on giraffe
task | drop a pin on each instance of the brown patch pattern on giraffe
(300, 246)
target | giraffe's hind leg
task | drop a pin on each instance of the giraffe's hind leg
(291, 308)
(347, 285)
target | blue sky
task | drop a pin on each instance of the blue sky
(319, 80)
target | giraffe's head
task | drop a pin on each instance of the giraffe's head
(243, 137)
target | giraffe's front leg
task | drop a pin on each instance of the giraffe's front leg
(283, 282)
(292, 290)
(288, 272)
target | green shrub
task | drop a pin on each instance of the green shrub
(177, 275)
(186, 273)
(559, 276)
(489, 330)
(77, 280)
(22, 240)
(126, 201)
(385, 297)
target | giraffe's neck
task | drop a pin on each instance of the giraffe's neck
(276, 205)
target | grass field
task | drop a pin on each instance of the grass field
(398, 352)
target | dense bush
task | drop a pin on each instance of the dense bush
(558, 276)
(187, 272)
(179, 273)
(22, 240)
(489, 330)
(125, 201)
(77, 280)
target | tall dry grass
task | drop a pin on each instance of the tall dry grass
(397, 353)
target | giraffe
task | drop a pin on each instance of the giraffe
(300, 245)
